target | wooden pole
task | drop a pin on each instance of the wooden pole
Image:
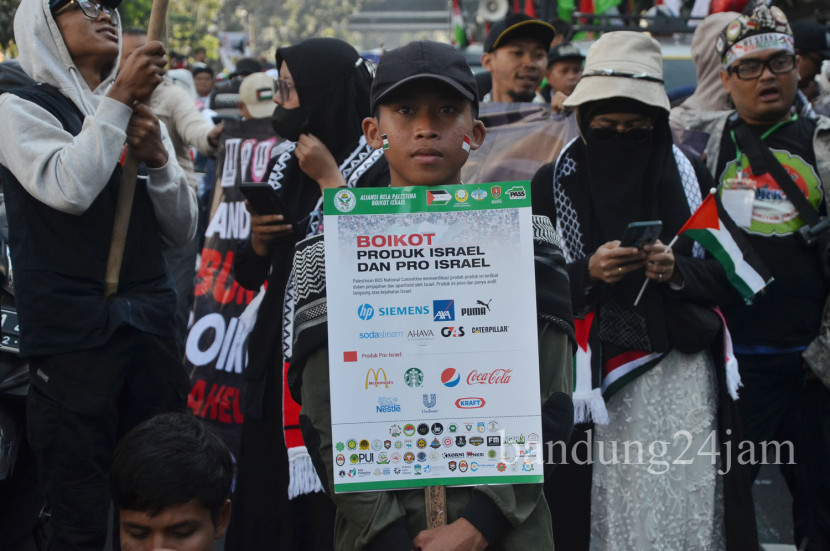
(129, 173)
(436, 504)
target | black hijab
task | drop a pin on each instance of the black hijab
(618, 182)
(332, 83)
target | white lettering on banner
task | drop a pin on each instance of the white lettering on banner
(262, 156)
(245, 154)
(230, 221)
(226, 347)
(231, 165)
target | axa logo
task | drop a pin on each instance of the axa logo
(452, 331)
(378, 378)
(365, 312)
(450, 377)
(443, 310)
(469, 403)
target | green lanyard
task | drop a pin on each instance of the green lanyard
(764, 136)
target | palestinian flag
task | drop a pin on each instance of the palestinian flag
(712, 227)
(459, 34)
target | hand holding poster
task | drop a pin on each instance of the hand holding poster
(432, 336)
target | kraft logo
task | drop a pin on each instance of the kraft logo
(444, 310)
(365, 312)
(469, 403)
(450, 377)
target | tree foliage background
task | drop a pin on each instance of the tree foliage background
(194, 23)
(7, 9)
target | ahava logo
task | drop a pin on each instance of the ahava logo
(495, 377)
(365, 312)
(450, 377)
(469, 403)
(452, 331)
(420, 334)
(444, 310)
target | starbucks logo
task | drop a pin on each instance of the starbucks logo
(413, 377)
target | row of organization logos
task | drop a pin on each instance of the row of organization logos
(463, 196)
(450, 377)
(441, 310)
(346, 201)
(437, 451)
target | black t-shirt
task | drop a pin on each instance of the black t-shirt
(788, 313)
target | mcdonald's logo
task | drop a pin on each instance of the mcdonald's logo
(378, 378)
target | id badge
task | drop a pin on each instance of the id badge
(738, 197)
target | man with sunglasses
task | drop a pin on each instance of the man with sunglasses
(99, 365)
(751, 151)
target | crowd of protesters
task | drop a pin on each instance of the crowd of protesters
(691, 353)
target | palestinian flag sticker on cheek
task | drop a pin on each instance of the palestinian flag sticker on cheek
(465, 145)
(385, 139)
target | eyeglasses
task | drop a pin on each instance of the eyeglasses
(754, 68)
(90, 9)
(636, 134)
(282, 89)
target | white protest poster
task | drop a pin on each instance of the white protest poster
(432, 336)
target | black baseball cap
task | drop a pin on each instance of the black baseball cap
(423, 59)
(566, 50)
(518, 25)
(812, 36)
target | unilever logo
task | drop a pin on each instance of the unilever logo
(365, 312)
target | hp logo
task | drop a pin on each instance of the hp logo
(365, 312)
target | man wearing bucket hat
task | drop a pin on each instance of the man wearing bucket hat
(99, 365)
(748, 151)
(624, 169)
(515, 55)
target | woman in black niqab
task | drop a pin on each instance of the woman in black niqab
(325, 148)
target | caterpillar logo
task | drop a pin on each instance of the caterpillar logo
(378, 378)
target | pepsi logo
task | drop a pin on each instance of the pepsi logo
(450, 377)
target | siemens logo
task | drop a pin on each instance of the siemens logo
(403, 310)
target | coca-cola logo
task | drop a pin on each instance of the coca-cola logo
(495, 377)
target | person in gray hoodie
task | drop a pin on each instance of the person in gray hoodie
(99, 365)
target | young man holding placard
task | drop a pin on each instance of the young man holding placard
(424, 101)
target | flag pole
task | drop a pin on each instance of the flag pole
(645, 283)
(129, 175)
(712, 191)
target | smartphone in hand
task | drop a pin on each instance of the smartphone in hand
(264, 199)
(639, 234)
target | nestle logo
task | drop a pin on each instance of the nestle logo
(469, 403)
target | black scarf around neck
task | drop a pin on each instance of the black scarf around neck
(618, 182)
